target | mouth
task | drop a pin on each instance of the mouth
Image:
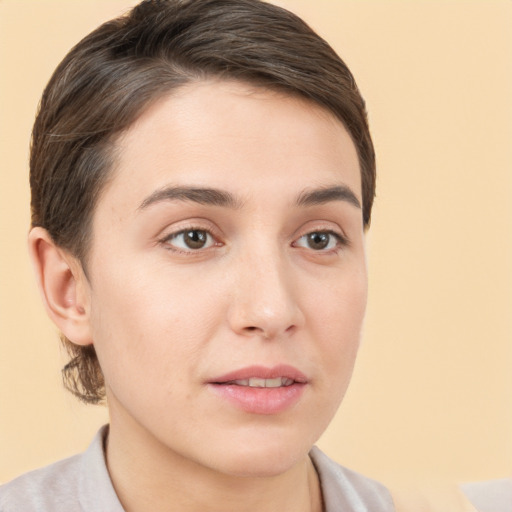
(263, 377)
(261, 390)
(257, 382)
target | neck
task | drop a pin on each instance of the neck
(148, 476)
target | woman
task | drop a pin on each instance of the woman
(202, 179)
(199, 208)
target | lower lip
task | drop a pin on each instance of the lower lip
(260, 400)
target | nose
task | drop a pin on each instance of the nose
(265, 299)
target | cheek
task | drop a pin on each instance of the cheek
(144, 322)
(338, 304)
(337, 315)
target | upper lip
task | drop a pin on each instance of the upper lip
(262, 372)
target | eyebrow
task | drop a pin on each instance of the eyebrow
(222, 198)
(328, 194)
(206, 196)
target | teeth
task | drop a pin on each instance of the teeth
(270, 383)
(255, 382)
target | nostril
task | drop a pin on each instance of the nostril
(254, 330)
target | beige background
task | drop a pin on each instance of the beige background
(432, 393)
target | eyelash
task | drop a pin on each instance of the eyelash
(166, 241)
(341, 241)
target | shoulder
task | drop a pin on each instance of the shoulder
(347, 490)
(490, 496)
(77, 484)
(44, 488)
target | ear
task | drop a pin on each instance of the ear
(63, 286)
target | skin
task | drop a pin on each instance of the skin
(166, 318)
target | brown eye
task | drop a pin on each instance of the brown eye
(195, 239)
(191, 239)
(319, 240)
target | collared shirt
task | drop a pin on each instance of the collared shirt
(82, 484)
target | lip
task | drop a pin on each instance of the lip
(262, 372)
(266, 401)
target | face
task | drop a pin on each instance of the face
(227, 277)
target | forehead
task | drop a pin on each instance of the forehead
(233, 136)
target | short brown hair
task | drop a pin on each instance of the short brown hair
(112, 75)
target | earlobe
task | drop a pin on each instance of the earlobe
(63, 286)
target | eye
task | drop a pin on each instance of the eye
(190, 240)
(320, 240)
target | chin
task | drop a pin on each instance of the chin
(259, 466)
(262, 457)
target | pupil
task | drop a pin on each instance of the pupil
(195, 239)
(318, 240)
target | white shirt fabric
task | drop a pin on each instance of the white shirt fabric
(491, 496)
(82, 484)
